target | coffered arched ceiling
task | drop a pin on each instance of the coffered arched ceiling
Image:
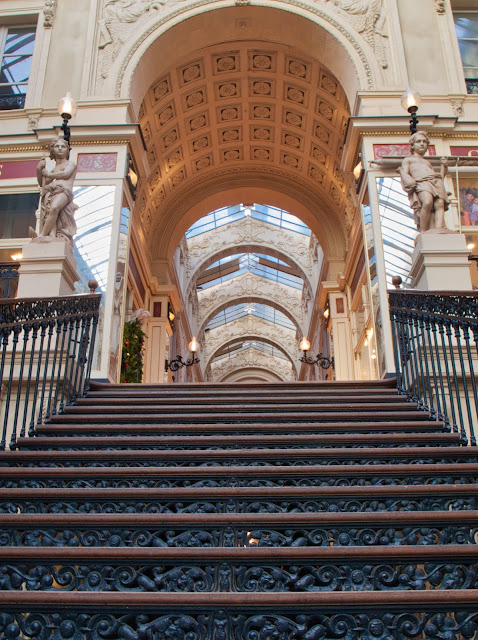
(245, 112)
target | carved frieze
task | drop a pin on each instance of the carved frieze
(251, 359)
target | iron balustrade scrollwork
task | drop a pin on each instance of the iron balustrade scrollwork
(46, 355)
(453, 622)
(8, 278)
(223, 576)
(435, 340)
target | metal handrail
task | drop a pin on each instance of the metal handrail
(435, 339)
(46, 355)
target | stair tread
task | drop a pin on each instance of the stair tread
(218, 554)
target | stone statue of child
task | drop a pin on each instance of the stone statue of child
(424, 186)
(57, 218)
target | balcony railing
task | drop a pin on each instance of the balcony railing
(46, 352)
(435, 345)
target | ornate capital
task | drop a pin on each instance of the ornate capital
(49, 13)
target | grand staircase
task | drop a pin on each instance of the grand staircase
(306, 511)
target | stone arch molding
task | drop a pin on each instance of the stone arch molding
(357, 26)
(249, 360)
(249, 328)
(250, 236)
(249, 288)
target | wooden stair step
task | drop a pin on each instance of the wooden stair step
(235, 441)
(240, 417)
(422, 426)
(244, 407)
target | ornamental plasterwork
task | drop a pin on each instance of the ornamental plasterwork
(367, 17)
(49, 13)
(251, 359)
(250, 326)
(122, 18)
(248, 286)
(440, 6)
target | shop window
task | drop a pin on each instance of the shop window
(466, 25)
(17, 213)
(16, 47)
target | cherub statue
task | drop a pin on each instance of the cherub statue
(57, 218)
(424, 186)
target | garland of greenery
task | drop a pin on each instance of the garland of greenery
(132, 357)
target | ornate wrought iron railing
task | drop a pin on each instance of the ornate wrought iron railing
(46, 352)
(435, 346)
(8, 279)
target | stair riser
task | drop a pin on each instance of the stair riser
(252, 505)
(262, 458)
(222, 622)
(286, 535)
(261, 480)
(228, 575)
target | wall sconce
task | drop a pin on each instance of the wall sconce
(179, 363)
(171, 314)
(411, 100)
(320, 360)
(67, 108)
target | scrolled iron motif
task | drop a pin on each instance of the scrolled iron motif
(222, 625)
(239, 536)
(259, 481)
(251, 505)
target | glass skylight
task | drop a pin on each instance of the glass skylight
(266, 213)
(237, 347)
(398, 229)
(263, 311)
(250, 262)
(94, 221)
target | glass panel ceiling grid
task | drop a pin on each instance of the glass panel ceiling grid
(265, 213)
(249, 262)
(237, 347)
(258, 310)
(398, 229)
(94, 221)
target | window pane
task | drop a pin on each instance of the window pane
(15, 68)
(469, 52)
(17, 213)
(20, 41)
(466, 25)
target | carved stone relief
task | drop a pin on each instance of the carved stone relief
(368, 18)
(49, 13)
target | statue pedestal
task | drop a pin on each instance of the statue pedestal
(440, 263)
(47, 269)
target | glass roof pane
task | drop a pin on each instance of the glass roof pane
(266, 213)
(263, 311)
(398, 228)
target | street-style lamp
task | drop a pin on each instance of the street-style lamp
(411, 100)
(67, 108)
(320, 360)
(179, 363)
